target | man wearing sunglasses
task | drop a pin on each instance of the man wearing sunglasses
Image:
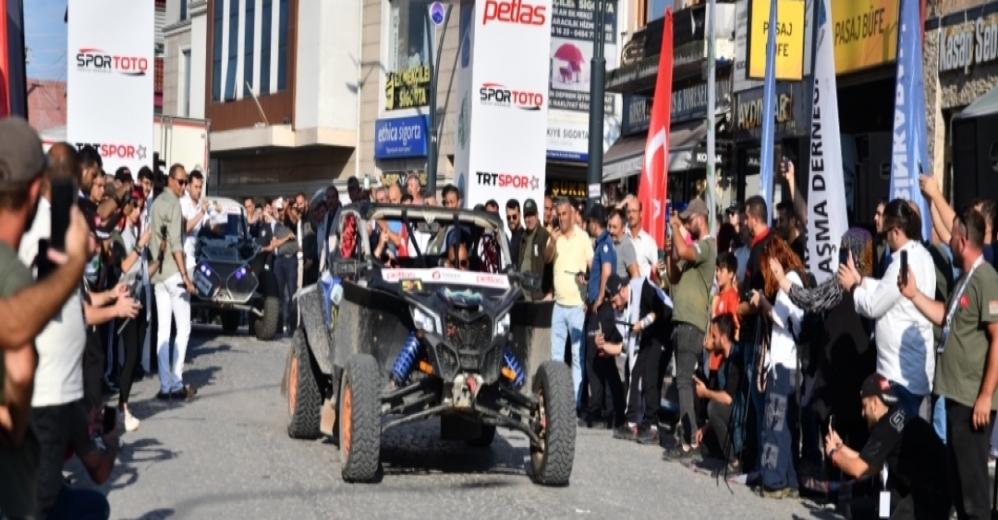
(173, 285)
(514, 228)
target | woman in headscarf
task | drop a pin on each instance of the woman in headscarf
(841, 353)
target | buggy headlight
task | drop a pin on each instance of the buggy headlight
(502, 325)
(425, 321)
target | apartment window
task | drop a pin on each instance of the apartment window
(216, 55)
(186, 60)
(282, 47)
(248, 44)
(656, 8)
(230, 75)
(408, 78)
(183, 10)
(267, 23)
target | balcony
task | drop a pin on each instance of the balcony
(640, 55)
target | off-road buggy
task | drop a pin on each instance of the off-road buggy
(381, 347)
(230, 273)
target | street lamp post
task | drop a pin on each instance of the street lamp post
(597, 84)
(434, 64)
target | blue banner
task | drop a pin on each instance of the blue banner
(401, 137)
(768, 113)
(910, 153)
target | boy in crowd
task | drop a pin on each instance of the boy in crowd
(725, 302)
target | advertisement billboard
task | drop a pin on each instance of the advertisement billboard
(110, 77)
(865, 33)
(401, 137)
(570, 57)
(789, 39)
(503, 100)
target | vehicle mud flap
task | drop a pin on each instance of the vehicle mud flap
(265, 327)
(319, 338)
(552, 460)
(304, 398)
(359, 419)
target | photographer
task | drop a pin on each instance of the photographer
(128, 246)
(720, 391)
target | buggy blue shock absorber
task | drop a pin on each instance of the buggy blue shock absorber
(514, 366)
(406, 359)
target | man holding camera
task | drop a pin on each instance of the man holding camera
(173, 286)
(720, 390)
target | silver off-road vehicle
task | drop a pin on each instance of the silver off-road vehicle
(382, 345)
(230, 273)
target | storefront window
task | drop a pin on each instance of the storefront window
(408, 80)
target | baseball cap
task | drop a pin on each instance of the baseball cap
(353, 183)
(123, 174)
(735, 207)
(695, 207)
(529, 208)
(614, 283)
(597, 212)
(21, 156)
(877, 385)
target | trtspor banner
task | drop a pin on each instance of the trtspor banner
(110, 75)
(826, 213)
(503, 105)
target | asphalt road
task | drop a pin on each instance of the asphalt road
(226, 454)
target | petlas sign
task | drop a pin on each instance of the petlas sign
(400, 137)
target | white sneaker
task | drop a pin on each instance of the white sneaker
(131, 423)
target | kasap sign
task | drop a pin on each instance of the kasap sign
(503, 97)
(401, 137)
(110, 104)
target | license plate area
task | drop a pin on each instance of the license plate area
(206, 281)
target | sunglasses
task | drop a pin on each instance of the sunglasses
(182, 182)
(512, 217)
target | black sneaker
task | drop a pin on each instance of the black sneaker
(626, 432)
(648, 435)
(587, 420)
(677, 453)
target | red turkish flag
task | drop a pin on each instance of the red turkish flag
(652, 189)
(4, 66)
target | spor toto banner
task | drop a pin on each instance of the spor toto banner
(110, 80)
(503, 107)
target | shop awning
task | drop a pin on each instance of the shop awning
(625, 156)
(985, 105)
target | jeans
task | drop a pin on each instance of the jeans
(646, 383)
(567, 322)
(939, 419)
(719, 418)
(131, 341)
(172, 302)
(779, 433)
(286, 272)
(79, 504)
(967, 455)
(688, 343)
(909, 402)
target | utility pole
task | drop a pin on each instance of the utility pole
(597, 85)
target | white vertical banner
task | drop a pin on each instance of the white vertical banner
(111, 70)
(827, 218)
(503, 105)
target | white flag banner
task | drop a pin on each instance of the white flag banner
(110, 72)
(827, 219)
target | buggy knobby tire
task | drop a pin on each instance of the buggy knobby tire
(359, 418)
(265, 327)
(485, 440)
(230, 321)
(304, 399)
(552, 460)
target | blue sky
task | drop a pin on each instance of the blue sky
(45, 35)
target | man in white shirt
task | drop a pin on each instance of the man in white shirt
(644, 245)
(196, 212)
(903, 335)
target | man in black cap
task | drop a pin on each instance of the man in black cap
(604, 342)
(532, 243)
(353, 190)
(645, 313)
(514, 228)
(903, 448)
